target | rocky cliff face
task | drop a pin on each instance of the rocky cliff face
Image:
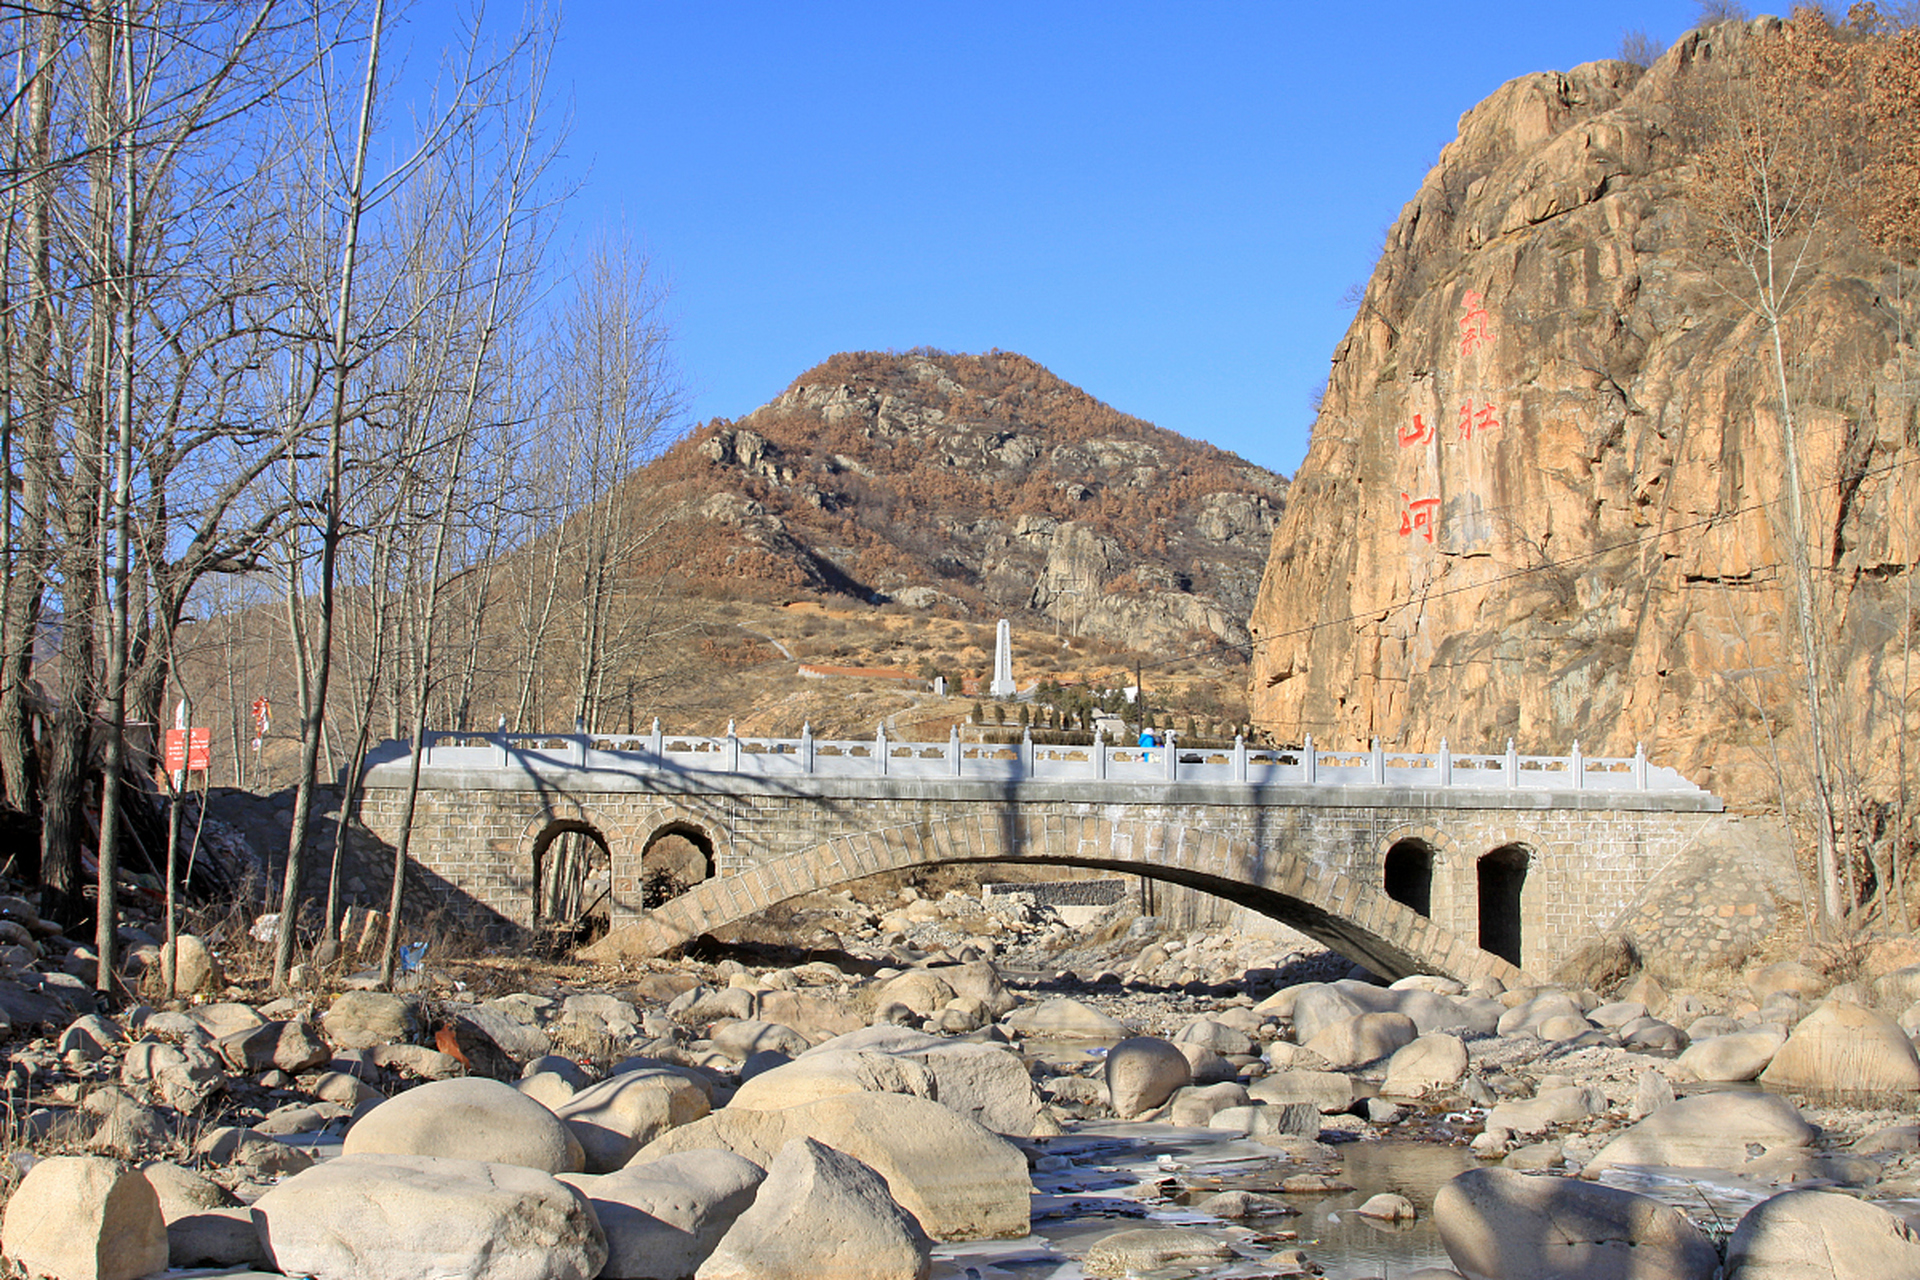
(1542, 499)
(978, 484)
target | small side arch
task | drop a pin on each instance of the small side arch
(676, 857)
(572, 872)
(1501, 878)
(1417, 864)
(1406, 873)
(566, 875)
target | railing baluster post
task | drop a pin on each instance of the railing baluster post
(1513, 765)
(806, 747)
(658, 745)
(1173, 756)
(580, 742)
(880, 749)
(1378, 765)
(1446, 764)
(1579, 765)
(953, 750)
(1099, 755)
(733, 750)
(1639, 766)
(500, 745)
(1026, 752)
(1239, 758)
(1310, 760)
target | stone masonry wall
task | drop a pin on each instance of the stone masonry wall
(476, 847)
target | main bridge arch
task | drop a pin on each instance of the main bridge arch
(1330, 906)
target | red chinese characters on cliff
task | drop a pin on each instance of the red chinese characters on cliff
(1417, 516)
(1475, 418)
(1420, 517)
(1476, 325)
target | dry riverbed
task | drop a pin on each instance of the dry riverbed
(938, 1090)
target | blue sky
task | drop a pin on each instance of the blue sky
(1163, 203)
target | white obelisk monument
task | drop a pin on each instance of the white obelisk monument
(1002, 686)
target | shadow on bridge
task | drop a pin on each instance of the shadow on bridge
(1353, 918)
(1254, 868)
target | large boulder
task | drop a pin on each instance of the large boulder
(1215, 1035)
(1842, 1048)
(1136, 1249)
(923, 992)
(468, 1119)
(402, 1217)
(1314, 1006)
(1564, 1105)
(1434, 1063)
(817, 1017)
(820, 1213)
(1527, 1017)
(363, 1019)
(187, 966)
(84, 1218)
(961, 1181)
(979, 980)
(1143, 1072)
(1708, 1130)
(1363, 1038)
(1331, 1091)
(813, 1076)
(181, 1191)
(1740, 1055)
(215, 1238)
(981, 1081)
(1066, 1019)
(741, 1038)
(1811, 1235)
(626, 1111)
(1500, 1225)
(989, 1085)
(293, 1047)
(182, 1076)
(663, 1218)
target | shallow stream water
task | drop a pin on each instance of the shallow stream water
(1125, 1175)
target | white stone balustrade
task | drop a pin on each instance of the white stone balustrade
(1237, 766)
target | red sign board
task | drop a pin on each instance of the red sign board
(189, 749)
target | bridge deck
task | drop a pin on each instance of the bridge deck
(1236, 775)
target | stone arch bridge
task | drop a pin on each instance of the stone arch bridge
(1405, 862)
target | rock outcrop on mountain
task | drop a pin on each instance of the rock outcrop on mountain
(983, 484)
(1544, 494)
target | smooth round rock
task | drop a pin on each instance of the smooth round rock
(1138, 1249)
(1431, 1064)
(1805, 1234)
(1503, 1225)
(403, 1217)
(821, 1213)
(85, 1218)
(1708, 1130)
(1742, 1055)
(468, 1119)
(1841, 1048)
(1143, 1072)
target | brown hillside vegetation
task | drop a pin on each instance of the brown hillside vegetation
(975, 484)
(883, 512)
